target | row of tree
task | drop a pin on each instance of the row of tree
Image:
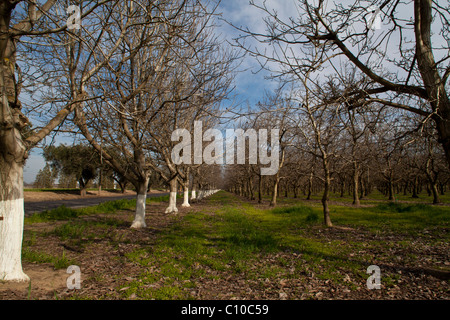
(124, 78)
(343, 151)
(135, 71)
(353, 103)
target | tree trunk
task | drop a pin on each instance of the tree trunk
(12, 157)
(273, 202)
(83, 191)
(250, 189)
(11, 220)
(434, 84)
(122, 187)
(432, 178)
(326, 195)
(139, 215)
(260, 186)
(434, 189)
(194, 188)
(362, 185)
(414, 188)
(356, 201)
(442, 188)
(172, 208)
(194, 192)
(310, 183)
(342, 189)
(186, 196)
(390, 189)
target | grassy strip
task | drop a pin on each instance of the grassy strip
(373, 198)
(395, 217)
(59, 262)
(68, 190)
(64, 213)
(238, 239)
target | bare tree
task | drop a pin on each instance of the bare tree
(168, 59)
(21, 23)
(410, 74)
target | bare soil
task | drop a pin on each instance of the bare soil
(37, 196)
(106, 269)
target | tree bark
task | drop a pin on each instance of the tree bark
(83, 187)
(172, 208)
(435, 191)
(433, 181)
(273, 202)
(434, 84)
(390, 187)
(13, 153)
(260, 186)
(310, 184)
(326, 194)
(139, 215)
(186, 196)
(414, 188)
(11, 225)
(250, 189)
(356, 201)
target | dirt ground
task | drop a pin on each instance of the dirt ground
(34, 196)
(105, 268)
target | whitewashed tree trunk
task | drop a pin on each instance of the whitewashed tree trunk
(139, 216)
(172, 208)
(194, 191)
(186, 197)
(11, 221)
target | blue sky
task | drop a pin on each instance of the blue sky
(250, 86)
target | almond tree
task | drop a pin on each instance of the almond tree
(318, 132)
(23, 22)
(407, 74)
(169, 58)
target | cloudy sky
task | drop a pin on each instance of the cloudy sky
(250, 84)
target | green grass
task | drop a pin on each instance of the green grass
(70, 190)
(395, 217)
(64, 213)
(237, 236)
(238, 239)
(374, 197)
(59, 262)
(85, 229)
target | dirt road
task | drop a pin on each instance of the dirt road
(32, 205)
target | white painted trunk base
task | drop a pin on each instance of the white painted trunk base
(186, 198)
(139, 216)
(11, 233)
(193, 195)
(172, 208)
(206, 193)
